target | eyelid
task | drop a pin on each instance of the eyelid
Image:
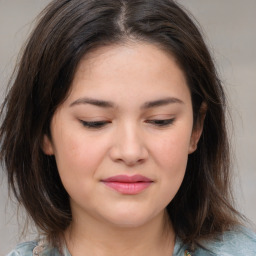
(97, 124)
(161, 122)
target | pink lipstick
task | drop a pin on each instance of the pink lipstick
(129, 185)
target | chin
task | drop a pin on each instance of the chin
(128, 219)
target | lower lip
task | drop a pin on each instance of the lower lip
(128, 188)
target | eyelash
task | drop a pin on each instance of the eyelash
(161, 122)
(94, 124)
(101, 124)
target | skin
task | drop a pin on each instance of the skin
(130, 142)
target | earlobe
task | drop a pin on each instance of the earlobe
(198, 128)
(47, 146)
(192, 146)
(194, 140)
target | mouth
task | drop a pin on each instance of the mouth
(129, 185)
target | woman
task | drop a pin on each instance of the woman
(114, 136)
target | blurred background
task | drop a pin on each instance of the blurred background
(229, 27)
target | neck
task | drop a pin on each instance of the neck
(103, 239)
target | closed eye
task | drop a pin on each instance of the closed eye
(94, 124)
(101, 124)
(161, 122)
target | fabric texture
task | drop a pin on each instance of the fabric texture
(240, 242)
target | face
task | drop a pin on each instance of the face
(122, 137)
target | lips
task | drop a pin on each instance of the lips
(130, 185)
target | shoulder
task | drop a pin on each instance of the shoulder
(240, 241)
(23, 249)
(34, 248)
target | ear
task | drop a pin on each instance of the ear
(198, 128)
(47, 146)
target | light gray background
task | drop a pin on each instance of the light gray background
(230, 29)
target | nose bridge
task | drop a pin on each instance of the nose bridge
(129, 145)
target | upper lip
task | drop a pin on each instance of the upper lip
(127, 179)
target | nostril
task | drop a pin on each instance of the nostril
(129, 149)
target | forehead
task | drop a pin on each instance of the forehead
(134, 69)
(120, 56)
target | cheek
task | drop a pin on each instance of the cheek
(77, 155)
(172, 155)
(171, 152)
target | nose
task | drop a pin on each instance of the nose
(129, 146)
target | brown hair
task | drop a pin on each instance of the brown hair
(66, 31)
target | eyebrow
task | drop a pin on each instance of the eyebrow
(109, 104)
(161, 102)
(95, 102)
